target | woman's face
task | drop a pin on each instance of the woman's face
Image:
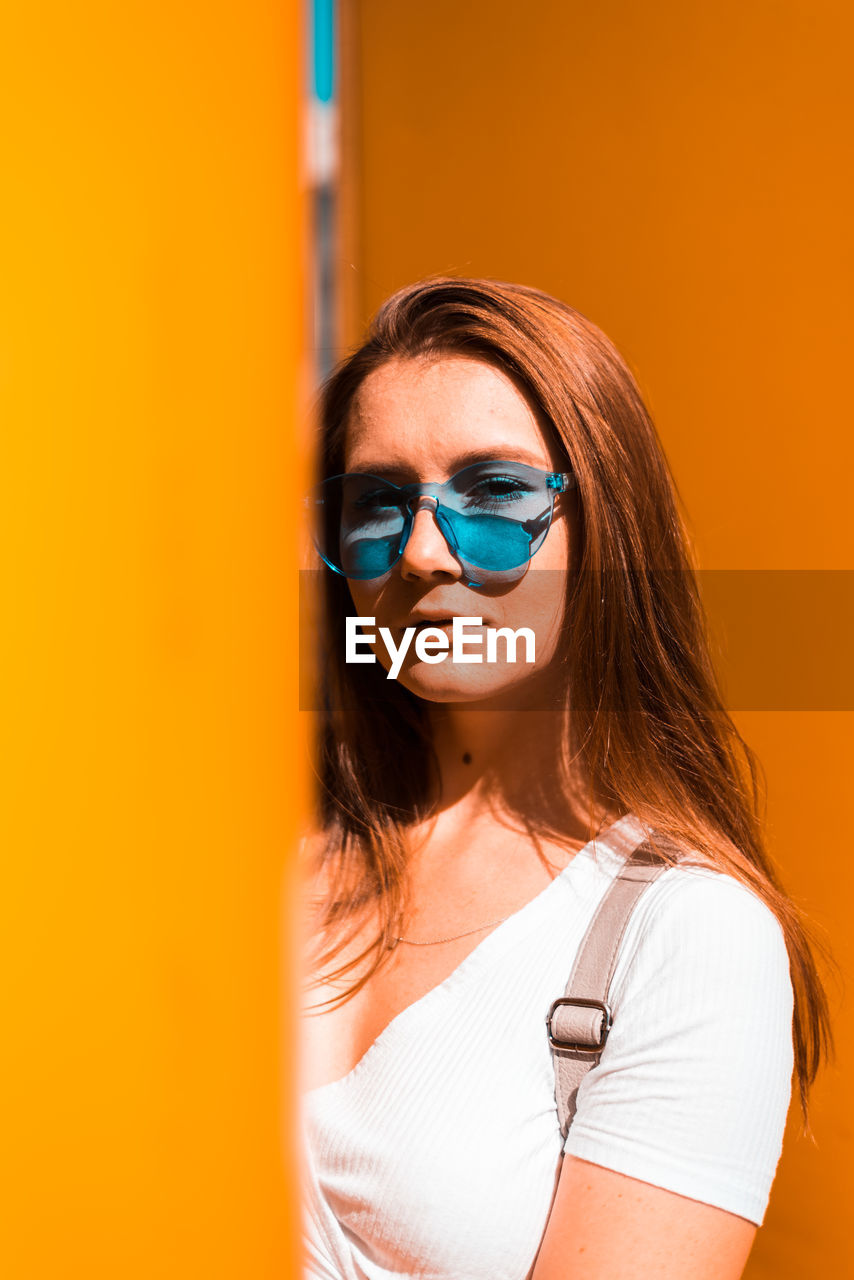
(423, 419)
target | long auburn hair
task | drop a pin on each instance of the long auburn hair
(648, 725)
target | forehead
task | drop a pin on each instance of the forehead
(423, 414)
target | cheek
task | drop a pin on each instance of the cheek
(554, 554)
(539, 599)
(538, 603)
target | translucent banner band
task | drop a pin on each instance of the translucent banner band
(780, 640)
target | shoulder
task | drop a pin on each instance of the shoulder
(702, 994)
(692, 918)
(704, 919)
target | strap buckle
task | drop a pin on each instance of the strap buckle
(583, 1003)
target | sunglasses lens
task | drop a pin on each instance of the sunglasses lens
(359, 525)
(490, 542)
(499, 513)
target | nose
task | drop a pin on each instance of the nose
(426, 552)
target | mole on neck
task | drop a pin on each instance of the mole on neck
(466, 757)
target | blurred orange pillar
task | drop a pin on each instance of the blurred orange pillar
(150, 337)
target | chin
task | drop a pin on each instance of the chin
(496, 686)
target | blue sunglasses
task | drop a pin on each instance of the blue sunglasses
(493, 515)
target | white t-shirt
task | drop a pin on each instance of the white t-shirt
(436, 1156)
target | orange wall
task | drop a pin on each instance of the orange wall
(149, 338)
(676, 172)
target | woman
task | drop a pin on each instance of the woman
(487, 456)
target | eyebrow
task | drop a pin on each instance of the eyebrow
(491, 453)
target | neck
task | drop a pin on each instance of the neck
(508, 756)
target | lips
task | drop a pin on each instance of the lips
(421, 621)
(422, 624)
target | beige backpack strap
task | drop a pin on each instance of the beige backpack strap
(578, 1023)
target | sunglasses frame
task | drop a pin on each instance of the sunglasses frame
(555, 481)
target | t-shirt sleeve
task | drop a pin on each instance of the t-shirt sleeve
(692, 1089)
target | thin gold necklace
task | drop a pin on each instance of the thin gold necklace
(434, 942)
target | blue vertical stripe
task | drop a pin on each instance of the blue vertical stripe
(323, 42)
